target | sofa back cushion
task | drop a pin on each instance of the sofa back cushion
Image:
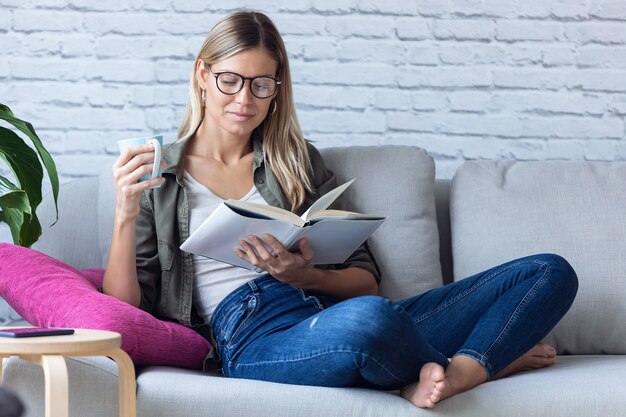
(399, 182)
(396, 181)
(73, 239)
(501, 210)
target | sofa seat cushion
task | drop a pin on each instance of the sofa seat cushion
(47, 292)
(577, 386)
(503, 210)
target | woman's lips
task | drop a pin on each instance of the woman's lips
(242, 117)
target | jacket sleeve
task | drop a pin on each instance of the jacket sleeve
(148, 266)
(324, 180)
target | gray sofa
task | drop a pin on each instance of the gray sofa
(437, 231)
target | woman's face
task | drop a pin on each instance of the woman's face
(238, 114)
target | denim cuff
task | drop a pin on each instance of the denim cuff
(481, 359)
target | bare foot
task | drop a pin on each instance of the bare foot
(463, 373)
(540, 356)
(428, 390)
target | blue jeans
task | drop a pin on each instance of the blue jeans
(271, 331)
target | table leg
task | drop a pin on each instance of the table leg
(127, 382)
(2, 366)
(55, 373)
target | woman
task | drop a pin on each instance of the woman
(297, 323)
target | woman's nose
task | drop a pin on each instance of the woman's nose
(245, 94)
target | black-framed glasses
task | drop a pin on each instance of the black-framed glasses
(231, 83)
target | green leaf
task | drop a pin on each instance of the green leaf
(11, 196)
(14, 218)
(30, 230)
(25, 230)
(48, 162)
(22, 160)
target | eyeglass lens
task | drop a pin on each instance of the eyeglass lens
(231, 83)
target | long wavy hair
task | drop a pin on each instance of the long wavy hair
(284, 145)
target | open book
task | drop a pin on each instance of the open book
(332, 234)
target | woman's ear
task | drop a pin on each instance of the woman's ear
(201, 74)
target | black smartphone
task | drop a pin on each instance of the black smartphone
(34, 331)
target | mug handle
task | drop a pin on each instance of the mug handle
(157, 158)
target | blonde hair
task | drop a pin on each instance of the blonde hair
(284, 146)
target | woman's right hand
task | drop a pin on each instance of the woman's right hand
(132, 164)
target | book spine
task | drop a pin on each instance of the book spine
(291, 238)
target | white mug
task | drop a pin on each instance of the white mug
(157, 141)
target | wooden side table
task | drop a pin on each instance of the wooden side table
(49, 352)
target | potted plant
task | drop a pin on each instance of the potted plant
(19, 200)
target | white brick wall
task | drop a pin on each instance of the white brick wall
(533, 79)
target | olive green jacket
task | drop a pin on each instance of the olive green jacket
(165, 272)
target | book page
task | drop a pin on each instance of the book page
(256, 210)
(326, 200)
(325, 214)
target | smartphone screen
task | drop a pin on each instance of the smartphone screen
(34, 331)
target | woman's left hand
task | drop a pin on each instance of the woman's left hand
(270, 255)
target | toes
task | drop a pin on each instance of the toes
(542, 350)
(434, 398)
(550, 352)
(429, 389)
(546, 361)
(441, 386)
(437, 392)
(539, 363)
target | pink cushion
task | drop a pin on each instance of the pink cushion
(47, 292)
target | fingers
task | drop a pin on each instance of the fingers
(248, 254)
(130, 184)
(256, 252)
(133, 158)
(134, 188)
(277, 248)
(129, 153)
(261, 250)
(270, 255)
(306, 252)
(134, 163)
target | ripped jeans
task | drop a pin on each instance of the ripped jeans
(271, 331)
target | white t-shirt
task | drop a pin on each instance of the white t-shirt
(213, 280)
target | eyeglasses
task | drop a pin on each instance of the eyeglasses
(231, 83)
